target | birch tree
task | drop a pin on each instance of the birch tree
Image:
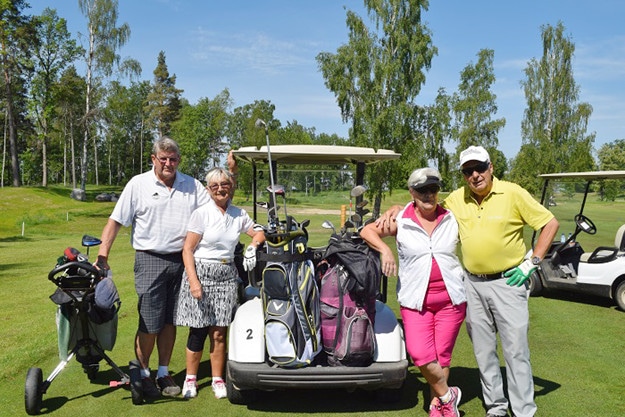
(554, 126)
(376, 76)
(105, 38)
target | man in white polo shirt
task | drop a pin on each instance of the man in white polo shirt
(157, 204)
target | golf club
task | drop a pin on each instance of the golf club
(347, 225)
(358, 190)
(279, 190)
(327, 224)
(273, 220)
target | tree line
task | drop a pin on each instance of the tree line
(64, 127)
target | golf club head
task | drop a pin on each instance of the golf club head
(356, 218)
(362, 204)
(348, 225)
(364, 212)
(251, 292)
(277, 189)
(358, 190)
(327, 224)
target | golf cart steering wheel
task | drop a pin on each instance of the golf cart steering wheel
(585, 224)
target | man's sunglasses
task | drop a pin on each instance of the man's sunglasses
(479, 168)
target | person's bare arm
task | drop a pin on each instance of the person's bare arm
(234, 170)
(373, 235)
(545, 238)
(190, 243)
(388, 217)
(109, 233)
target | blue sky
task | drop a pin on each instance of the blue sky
(265, 50)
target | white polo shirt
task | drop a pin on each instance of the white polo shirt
(158, 215)
(220, 231)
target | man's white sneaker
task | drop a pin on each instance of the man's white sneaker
(189, 389)
(219, 388)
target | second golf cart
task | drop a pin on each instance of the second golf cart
(569, 267)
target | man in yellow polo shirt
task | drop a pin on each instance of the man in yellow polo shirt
(491, 215)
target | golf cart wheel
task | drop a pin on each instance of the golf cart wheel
(33, 391)
(536, 286)
(241, 397)
(619, 296)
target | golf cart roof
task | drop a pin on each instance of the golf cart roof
(587, 176)
(315, 154)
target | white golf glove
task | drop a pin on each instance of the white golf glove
(517, 276)
(249, 258)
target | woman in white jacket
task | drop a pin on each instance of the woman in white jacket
(429, 285)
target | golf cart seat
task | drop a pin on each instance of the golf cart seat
(607, 253)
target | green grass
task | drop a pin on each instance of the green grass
(577, 342)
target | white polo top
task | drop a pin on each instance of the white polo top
(158, 215)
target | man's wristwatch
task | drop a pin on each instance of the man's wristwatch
(536, 260)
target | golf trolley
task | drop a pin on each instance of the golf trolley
(86, 321)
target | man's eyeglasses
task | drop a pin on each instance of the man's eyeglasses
(215, 187)
(479, 168)
(164, 160)
(428, 189)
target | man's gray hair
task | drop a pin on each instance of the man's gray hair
(165, 144)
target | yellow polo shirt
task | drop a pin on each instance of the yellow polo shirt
(491, 233)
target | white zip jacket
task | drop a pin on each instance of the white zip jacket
(416, 248)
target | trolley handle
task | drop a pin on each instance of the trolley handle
(91, 269)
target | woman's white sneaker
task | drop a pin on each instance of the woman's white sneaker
(189, 389)
(219, 388)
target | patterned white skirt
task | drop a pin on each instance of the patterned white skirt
(219, 297)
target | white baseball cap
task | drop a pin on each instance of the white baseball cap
(474, 153)
(424, 176)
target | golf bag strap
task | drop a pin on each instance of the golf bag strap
(285, 257)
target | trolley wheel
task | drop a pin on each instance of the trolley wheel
(33, 391)
(136, 387)
(91, 371)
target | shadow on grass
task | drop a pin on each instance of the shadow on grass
(580, 298)
(13, 239)
(103, 379)
(468, 379)
(326, 401)
(89, 193)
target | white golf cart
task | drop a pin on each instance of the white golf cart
(567, 266)
(248, 369)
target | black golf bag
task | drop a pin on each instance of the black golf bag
(290, 297)
(349, 278)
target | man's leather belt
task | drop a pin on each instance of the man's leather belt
(488, 276)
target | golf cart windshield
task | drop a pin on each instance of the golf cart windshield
(547, 198)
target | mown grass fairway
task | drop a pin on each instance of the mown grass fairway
(577, 343)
